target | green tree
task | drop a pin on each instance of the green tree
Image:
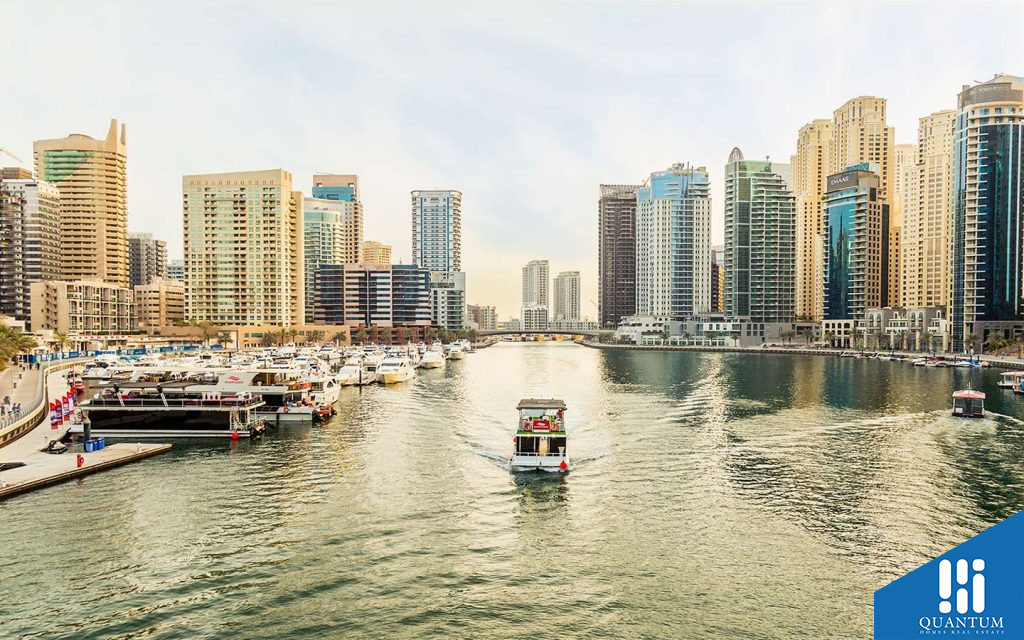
(735, 335)
(971, 341)
(340, 337)
(206, 332)
(362, 336)
(224, 338)
(855, 335)
(316, 336)
(61, 341)
(13, 342)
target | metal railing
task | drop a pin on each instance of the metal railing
(37, 409)
(248, 403)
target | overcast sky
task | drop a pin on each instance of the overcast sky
(525, 108)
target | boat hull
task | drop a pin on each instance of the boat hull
(550, 464)
(165, 424)
(432, 364)
(395, 377)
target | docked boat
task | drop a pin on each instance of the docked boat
(168, 410)
(1011, 380)
(935, 362)
(968, 403)
(540, 440)
(323, 388)
(432, 359)
(919, 362)
(395, 369)
(455, 351)
(354, 373)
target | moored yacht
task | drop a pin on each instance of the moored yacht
(540, 440)
(354, 373)
(395, 369)
(432, 359)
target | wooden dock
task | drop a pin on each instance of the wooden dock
(43, 469)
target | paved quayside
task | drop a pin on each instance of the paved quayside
(27, 467)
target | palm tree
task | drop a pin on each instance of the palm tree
(735, 335)
(994, 342)
(879, 336)
(223, 338)
(362, 336)
(315, 335)
(13, 342)
(61, 340)
(972, 340)
(340, 337)
(207, 331)
(267, 339)
(854, 334)
(925, 340)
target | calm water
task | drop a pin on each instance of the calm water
(716, 496)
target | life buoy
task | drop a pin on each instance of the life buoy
(287, 408)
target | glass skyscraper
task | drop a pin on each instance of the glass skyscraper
(760, 241)
(988, 149)
(856, 243)
(673, 243)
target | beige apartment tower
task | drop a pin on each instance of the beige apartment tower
(92, 177)
(243, 248)
(810, 165)
(905, 159)
(928, 215)
(374, 252)
(860, 135)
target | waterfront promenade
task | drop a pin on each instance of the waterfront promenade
(1004, 362)
(25, 465)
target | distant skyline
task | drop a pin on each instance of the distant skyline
(525, 108)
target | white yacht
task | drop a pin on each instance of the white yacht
(455, 351)
(432, 359)
(323, 387)
(540, 440)
(354, 373)
(395, 369)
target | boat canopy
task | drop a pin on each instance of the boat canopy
(539, 403)
(969, 394)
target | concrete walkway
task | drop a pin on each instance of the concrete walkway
(21, 386)
(33, 441)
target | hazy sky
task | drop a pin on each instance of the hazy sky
(525, 108)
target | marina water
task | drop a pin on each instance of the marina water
(714, 496)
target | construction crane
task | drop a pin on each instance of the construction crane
(8, 153)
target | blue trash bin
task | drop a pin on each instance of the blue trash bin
(89, 446)
(102, 442)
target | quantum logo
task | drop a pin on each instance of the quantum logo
(977, 593)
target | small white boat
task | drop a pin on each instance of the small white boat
(919, 362)
(541, 439)
(395, 369)
(968, 403)
(432, 360)
(455, 351)
(935, 362)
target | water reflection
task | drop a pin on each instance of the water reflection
(713, 495)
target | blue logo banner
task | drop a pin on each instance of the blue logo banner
(973, 590)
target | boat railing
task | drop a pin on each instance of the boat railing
(540, 455)
(157, 401)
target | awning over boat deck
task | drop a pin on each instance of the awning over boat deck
(539, 403)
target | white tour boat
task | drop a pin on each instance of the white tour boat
(540, 441)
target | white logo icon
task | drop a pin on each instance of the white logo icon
(977, 595)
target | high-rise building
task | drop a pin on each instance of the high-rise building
(92, 178)
(374, 252)
(566, 302)
(673, 243)
(331, 234)
(437, 230)
(15, 173)
(342, 188)
(160, 303)
(147, 258)
(760, 241)
(82, 306)
(30, 245)
(176, 269)
(988, 209)
(904, 162)
(811, 164)
(372, 295)
(484, 317)
(448, 299)
(536, 296)
(856, 224)
(437, 247)
(860, 134)
(927, 199)
(717, 279)
(243, 248)
(616, 250)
